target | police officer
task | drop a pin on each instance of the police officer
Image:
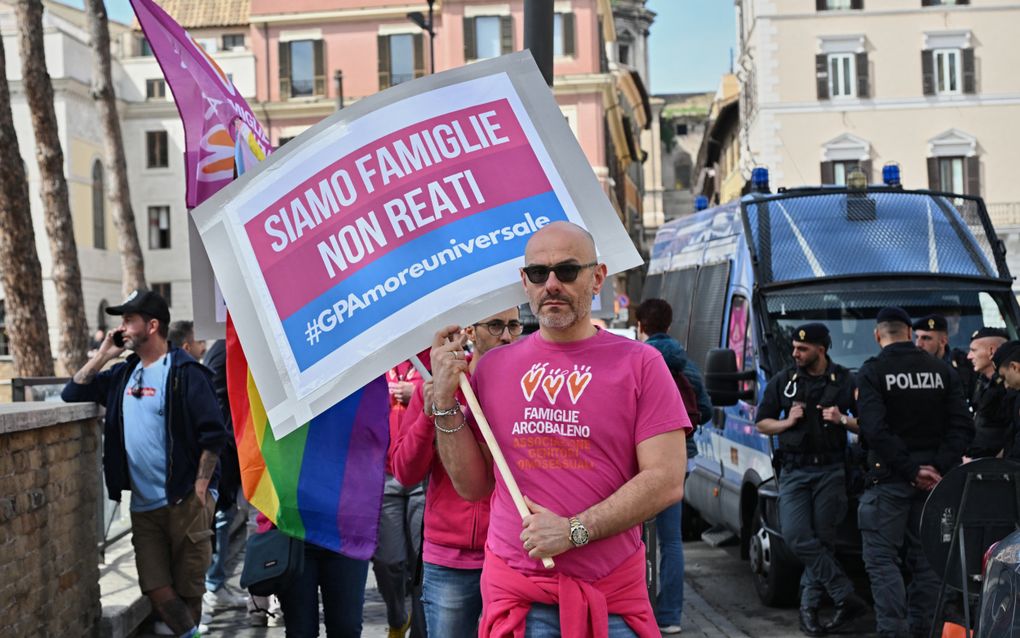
(806, 406)
(991, 399)
(1007, 364)
(916, 426)
(931, 334)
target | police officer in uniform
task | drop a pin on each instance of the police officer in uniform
(931, 334)
(991, 399)
(806, 406)
(915, 424)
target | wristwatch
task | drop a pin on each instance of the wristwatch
(842, 420)
(578, 532)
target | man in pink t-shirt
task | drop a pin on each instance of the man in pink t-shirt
(592, 427)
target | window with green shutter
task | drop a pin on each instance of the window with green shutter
(302, 69)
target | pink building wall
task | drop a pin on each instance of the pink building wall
(350, 44)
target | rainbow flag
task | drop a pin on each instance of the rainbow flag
(324, 481)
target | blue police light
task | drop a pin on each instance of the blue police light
(760, 179)
(891, 174)
(700, 203)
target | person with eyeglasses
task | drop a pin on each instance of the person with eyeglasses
(455, 529)
(162, 438)
(593, 428)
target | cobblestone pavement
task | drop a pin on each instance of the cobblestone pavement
(719, 602)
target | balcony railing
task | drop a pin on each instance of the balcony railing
(1004, 214)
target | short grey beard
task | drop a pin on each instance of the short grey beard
(559, 321)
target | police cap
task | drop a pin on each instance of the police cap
(816, 333)
(893, 313)
(932, 322)
(981, 333)
(1009, 351)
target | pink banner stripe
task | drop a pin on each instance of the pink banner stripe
(502, 178)
(262, 241)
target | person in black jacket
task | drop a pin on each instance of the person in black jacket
(807, 407)
(991, 400)
(915, 424)
(931, 334)
(162, 438)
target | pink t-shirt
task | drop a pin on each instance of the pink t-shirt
(568, 418)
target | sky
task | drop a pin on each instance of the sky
(690, 41)
(690, 44)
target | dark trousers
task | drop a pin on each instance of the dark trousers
(396, 556)
(342, 582)
(890, 519)
(812, 502)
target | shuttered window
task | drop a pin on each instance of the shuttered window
(955, 175)
(948, 72)
(836, 172)
(401, 58)
(155, 149)
(839, 5)
(159, 227)
(841, 75)
(302, 69)
(488, 37)
(564, 38)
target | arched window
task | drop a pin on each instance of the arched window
(98, 207)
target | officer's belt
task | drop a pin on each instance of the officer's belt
(800, 459)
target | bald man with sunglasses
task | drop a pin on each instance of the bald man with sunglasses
(592, 427)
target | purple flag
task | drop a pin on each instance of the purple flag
(209, 104)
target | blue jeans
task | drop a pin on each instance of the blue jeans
(342, 581)
(452, 599)
(543, 621)
(216, 575)
(669, 603)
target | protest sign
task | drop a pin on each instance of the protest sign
(348, 248)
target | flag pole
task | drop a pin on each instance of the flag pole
(490, 440)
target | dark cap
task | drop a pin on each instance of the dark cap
(932, 322)
(816, 333)
(1009, 351)
(893, 313)
(144, 302)
(981, 333)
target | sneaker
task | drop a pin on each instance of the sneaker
(222, 598)
(275, 612)
(160, 628)
(669, 629)
(258, 618)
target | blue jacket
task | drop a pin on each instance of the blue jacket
(677, 361)
(193, 417)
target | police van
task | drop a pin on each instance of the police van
(742, 276)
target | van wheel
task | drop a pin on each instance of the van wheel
(776, 572)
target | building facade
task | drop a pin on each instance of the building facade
(829, 85)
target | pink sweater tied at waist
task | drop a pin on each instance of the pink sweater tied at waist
(585, 607)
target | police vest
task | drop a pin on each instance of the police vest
(811, 434)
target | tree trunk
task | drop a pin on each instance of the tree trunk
(66, 274)
(132, 264)
(27, 329)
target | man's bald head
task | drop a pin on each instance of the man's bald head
(561, 236)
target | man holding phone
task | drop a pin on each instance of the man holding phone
(806, 406)
(162, 438)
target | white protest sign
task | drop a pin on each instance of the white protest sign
(343, 253)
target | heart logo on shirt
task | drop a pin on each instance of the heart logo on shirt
(552, 386)
(530, 381)
(576, 383)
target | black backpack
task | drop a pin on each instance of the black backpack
(690, 398)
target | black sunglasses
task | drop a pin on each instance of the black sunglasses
(496, 327)
(137, 391)
(565, 273)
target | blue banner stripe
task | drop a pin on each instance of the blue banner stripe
(318, 329)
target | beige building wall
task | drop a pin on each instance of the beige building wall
(786, 126)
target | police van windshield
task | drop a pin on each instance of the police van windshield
(850, 316)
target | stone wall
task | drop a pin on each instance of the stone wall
(49, 491)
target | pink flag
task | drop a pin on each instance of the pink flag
(206, 99)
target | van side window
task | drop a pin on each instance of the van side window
(738, 334)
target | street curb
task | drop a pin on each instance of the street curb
(125, 608)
